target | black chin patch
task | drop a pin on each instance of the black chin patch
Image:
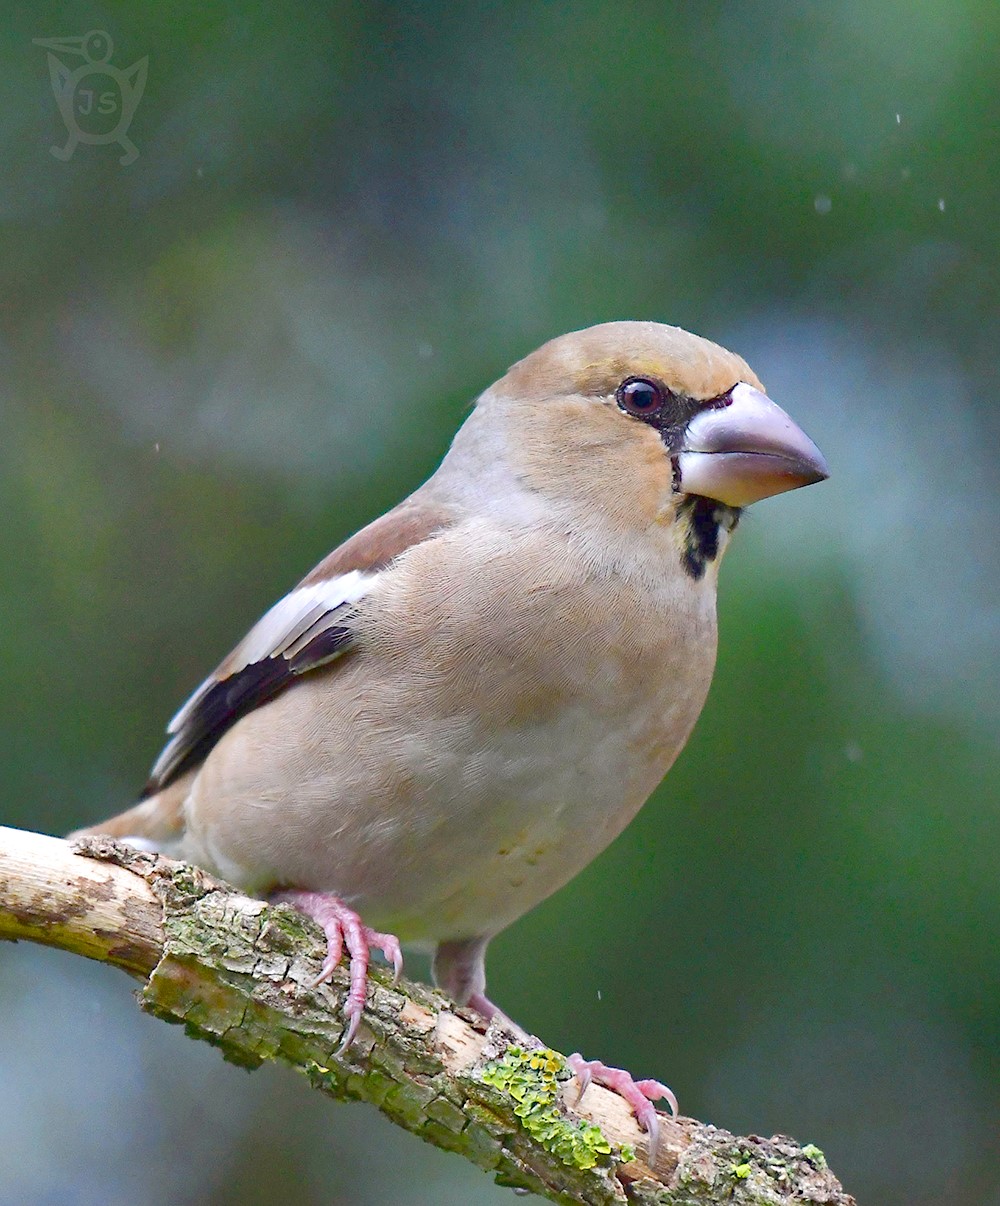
(700, 519)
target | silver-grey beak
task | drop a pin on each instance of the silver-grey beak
(747, 450)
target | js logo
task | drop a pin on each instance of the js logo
(97, 101)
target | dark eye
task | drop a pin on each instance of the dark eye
(640, 397)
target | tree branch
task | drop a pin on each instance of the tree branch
(238, 973)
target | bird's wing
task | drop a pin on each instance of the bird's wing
(310, 627)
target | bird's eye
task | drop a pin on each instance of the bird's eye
(639, 397)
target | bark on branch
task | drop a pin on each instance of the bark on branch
(237, 973)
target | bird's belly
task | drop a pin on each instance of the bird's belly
(436, 826)
(549, 801)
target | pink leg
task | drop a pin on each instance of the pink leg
(484, 1006)
(640, 1094)
(459, 969)
(342, 926)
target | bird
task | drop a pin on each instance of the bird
(464, 703)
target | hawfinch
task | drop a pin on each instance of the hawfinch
(465, 702)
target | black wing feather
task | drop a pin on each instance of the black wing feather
(229, 699)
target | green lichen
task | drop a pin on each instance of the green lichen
(813, 1154)
(741, 1171)
(531, 1080)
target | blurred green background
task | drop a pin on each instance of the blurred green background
(345, 220)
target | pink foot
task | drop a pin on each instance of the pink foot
(640, 1094)
(342, 926)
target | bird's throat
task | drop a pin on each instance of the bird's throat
(703, 525)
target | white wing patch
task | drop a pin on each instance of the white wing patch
(284, 630)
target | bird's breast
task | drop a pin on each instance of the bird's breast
(557, 691)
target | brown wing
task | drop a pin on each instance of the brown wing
(309, 627)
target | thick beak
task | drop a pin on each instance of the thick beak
(747, 450)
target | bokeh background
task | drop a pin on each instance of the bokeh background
(344, 221)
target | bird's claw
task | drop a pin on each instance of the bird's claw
(639, 1094)
(343, 927)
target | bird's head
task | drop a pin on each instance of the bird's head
(643, 423)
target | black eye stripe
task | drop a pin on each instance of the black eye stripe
(652, 402)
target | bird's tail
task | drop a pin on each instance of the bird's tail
(156, 823)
